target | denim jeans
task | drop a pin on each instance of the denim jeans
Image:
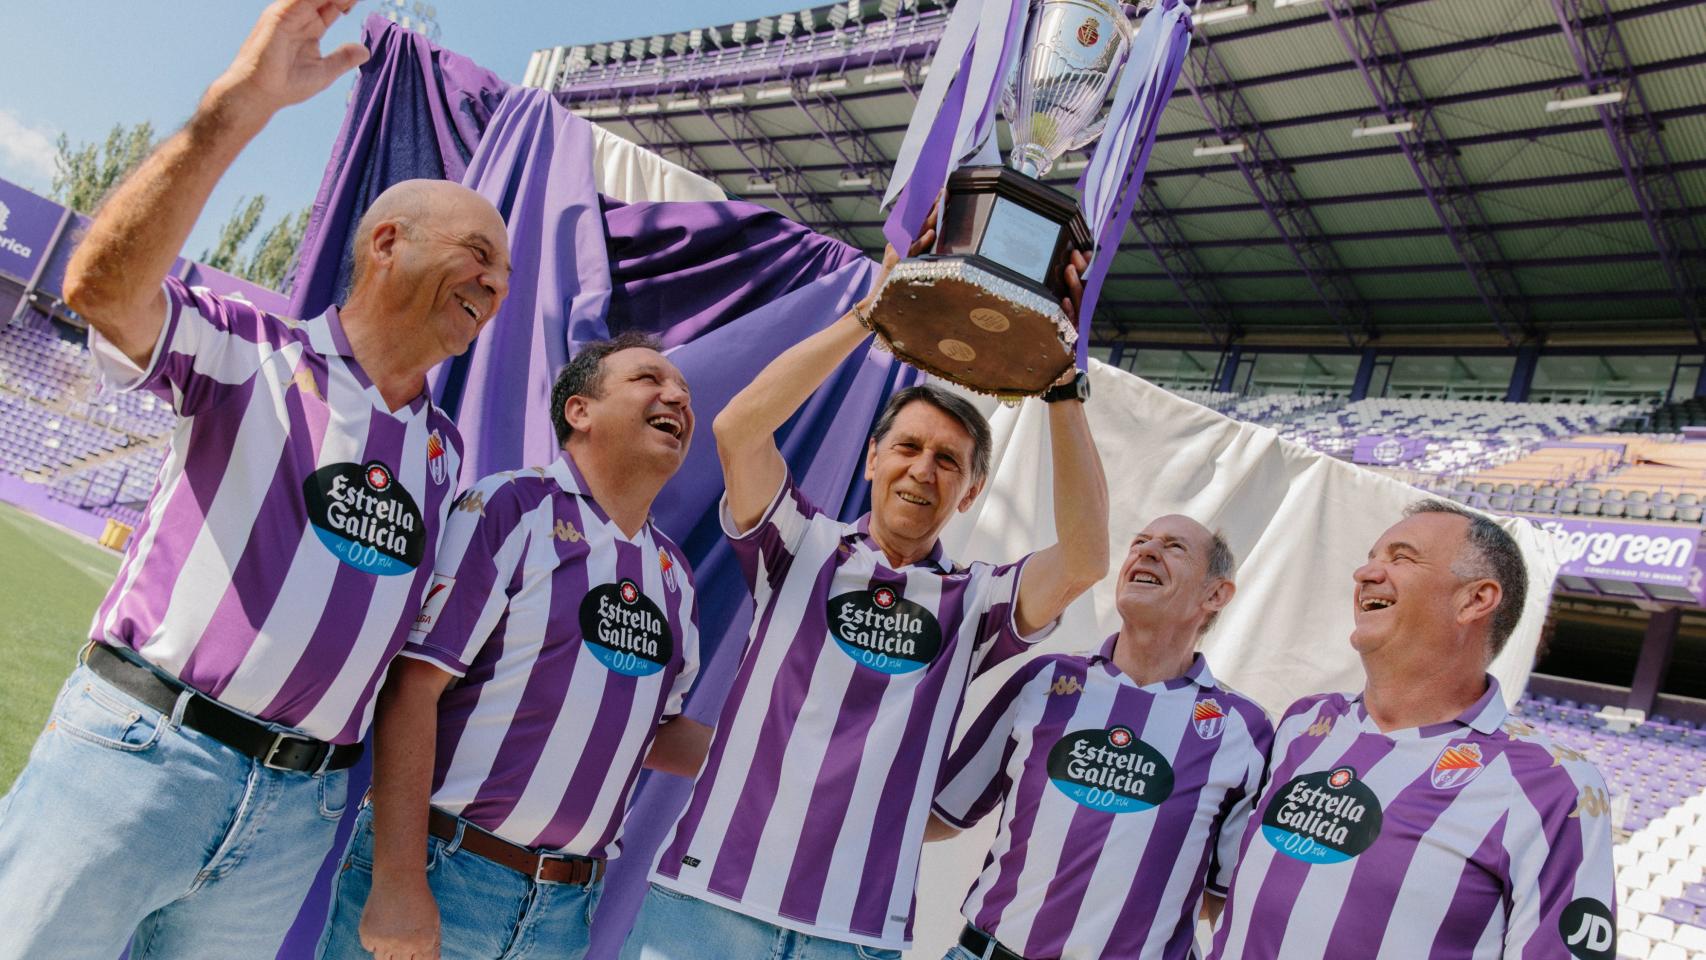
(675, 926)
(485, 911)
(126, 827)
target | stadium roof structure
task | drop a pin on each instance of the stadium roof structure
(1358, 172)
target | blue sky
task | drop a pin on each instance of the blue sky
(79, 66)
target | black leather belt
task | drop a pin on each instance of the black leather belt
(278, 751)
(977, 942)
(542, 867)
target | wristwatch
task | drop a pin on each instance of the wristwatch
(1078, 389)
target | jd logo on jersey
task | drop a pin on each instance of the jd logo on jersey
(884, 631)
(625, 630)
(1324, 817)
(1588, 930)
(365, 517)
(1110, 770)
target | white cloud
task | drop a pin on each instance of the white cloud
(26, 152)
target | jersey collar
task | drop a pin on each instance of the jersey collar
(1485, 715)
(860, 532)
(1197, 673)
(326, 335)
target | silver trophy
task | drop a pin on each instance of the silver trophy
(983, 308)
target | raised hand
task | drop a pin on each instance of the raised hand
(280, 63)
(1075, 270)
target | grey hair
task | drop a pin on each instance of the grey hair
(1220, 565)
(1494, 555)
(951, 404)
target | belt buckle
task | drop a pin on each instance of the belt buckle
(278, 742)
(539, 865)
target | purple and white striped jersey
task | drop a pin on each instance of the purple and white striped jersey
(1471, 838)
(572, 642)
(1117, 800)
(290, 535)
(811, 807)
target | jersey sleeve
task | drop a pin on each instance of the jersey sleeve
(998, 638)
(473, 576)
(767, 550)
(975, 779)
(1228, 838)
(1562, 881)
(207, 345)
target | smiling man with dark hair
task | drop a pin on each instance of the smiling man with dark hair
(1419, 819)
(549, 663)
(803, 833)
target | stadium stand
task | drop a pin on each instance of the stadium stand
(1657, 778)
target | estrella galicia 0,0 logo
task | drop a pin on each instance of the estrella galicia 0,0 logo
(1325, 817)
(365, 517)
(1110, 770)
(625, 630)
(882, 630)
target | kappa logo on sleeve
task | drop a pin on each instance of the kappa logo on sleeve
(882, 630)
(1110, 770)
(1587, 928)
(1325, 817)
(365, 517)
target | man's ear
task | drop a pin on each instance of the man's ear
(970, 497)
(870, 460)
(1220, 596)
(382, 242)
(1480, 600)
(576, 413)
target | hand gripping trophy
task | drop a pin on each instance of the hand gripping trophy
(983, 308)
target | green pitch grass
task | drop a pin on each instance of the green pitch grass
(50, 583)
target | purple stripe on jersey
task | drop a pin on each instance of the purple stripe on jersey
(791, 690)
(1476, 892)
(147, 598)
(255, 583)
(546, 688)
(453, 716)
(598, 756)
(1164, 849)
(1056, 712)
(1089, 829)
(1362, 930)
(1558, 873)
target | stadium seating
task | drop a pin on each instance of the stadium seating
(1655, 769)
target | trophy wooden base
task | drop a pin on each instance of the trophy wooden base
(968, 321)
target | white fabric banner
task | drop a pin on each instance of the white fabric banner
(1298, 522)
(631, 173)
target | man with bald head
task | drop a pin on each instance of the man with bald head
(1123, 779)
(191, 776)
(1418, 819)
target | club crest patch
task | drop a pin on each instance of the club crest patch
(666, 566)
(883, 630)
(1456, 765)
(1208, 718)
(1110, 770)
(435, 457)
(1324, 817)
(365, 517)
(625, 630)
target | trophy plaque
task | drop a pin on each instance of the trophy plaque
(983, 307)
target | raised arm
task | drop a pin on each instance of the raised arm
(1056, 576)
(401, 917)
(746, 427)
(114, 276)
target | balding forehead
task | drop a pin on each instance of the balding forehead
(1178, 524)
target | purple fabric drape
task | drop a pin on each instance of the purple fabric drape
(417, 111)
(726, 286)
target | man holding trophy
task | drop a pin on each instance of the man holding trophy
(804, 829)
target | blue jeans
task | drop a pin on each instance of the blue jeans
(485, 910)
(675, 926)
(126, 827)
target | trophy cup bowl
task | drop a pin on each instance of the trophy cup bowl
(983, 307)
